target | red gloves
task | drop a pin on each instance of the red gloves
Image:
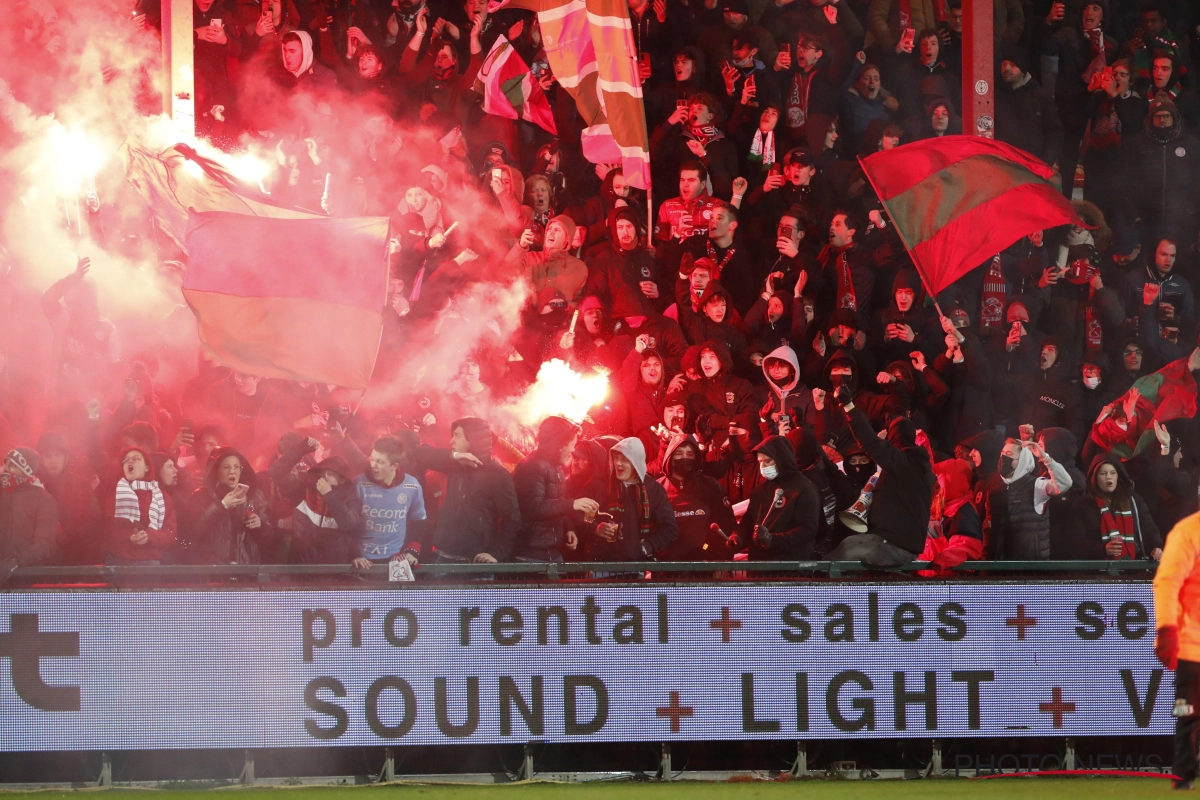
(1166, 646)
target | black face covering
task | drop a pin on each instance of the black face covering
(860, 473)
(1008, 465)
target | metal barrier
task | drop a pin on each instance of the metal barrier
(662, 570)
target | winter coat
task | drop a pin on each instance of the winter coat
(334, 536)
(630, 546)
(721, 397)
(541, 490)
(904, 492)
(480, 512)
(218, 534)
(698, 502)
(28, 525)
(1083, 533)
(792, 398)
(1015, 528)
(119, 530)
(782, 520)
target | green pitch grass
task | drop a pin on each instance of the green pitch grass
(1000, 789)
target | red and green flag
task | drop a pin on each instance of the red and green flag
(509, 89)
(589, 44)
(297, 299)
(1158, 397)
(956, 201)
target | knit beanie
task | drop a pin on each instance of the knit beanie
(25, 459)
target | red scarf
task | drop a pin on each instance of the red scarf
(1117, 525)
(9, 482)
(1105, 131)
(846, 298)
(993, 296)
(1093, 330)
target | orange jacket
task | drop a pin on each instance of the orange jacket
(1177, 586)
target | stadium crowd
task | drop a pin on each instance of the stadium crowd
(772, 351)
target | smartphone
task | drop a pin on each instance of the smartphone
(644, 61)
(907, 37)
(497, 172)
(680, 104)
(243, 487)
(215, 23)
(188, 425)
(786, 47)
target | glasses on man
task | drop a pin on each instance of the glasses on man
(1133, 352)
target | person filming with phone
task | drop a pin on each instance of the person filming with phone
(227, 521)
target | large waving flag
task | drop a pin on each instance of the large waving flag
(179, 179)
(589, 44)
(298, 299)
(1158, 397)
(509, 90)
(959, 200)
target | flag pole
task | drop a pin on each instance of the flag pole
(649, 213)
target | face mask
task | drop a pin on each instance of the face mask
(768, 472)
(1091, 383)
(1008, 465)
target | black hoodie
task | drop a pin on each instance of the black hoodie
(900, 511)
(783, 518)
(698, 502)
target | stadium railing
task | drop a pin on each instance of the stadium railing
(614, 570)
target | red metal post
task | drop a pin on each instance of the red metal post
(979, 71)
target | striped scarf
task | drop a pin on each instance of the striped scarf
(617, 506)
(128, 503)
(762, 149)
(1117, 526)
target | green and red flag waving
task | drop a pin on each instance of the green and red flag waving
(1158, 397)
(958, 200)
(509, 89)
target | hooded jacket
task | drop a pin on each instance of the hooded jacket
(610, 267)
(328, 529)
(1017, 522)
(1048, 398)
(783, 518)
(663, 531)
(480, 512)
(719, 398)
(645, 403)
(699, 502)
(928, 337)
(1083, 528)
(541, 490)
(700, 328)
(831, 425)
(220, 534)
(792, 398)
(904, 492)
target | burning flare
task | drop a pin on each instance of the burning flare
(560, 391)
